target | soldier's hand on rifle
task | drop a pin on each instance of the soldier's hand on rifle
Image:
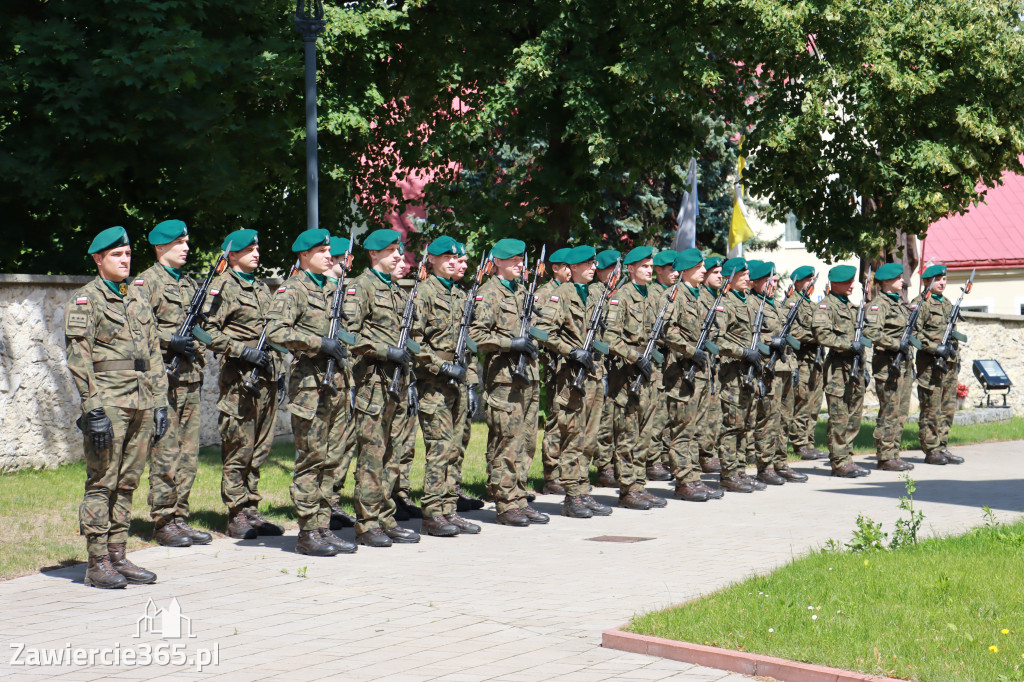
(414, 400)
(333, 348)
(856, 347)
(778, 344)
(644, 365)
(473, 403)
(255, 356)
(752, 356)
(98, 427)
(905, 348)
(943, 351)
(399, 356)
(282, 390)
(583, 358)
(700, 359)
(523, 344)
(184, 345)
(161, 422)
(453, 371)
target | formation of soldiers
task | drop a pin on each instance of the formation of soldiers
(653, 366)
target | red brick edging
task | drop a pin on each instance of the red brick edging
(734, 661)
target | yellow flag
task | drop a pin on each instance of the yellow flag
(739, 228)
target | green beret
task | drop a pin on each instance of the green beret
(378, 240)
(842, 273)
(509, 248)
(759, 269)
(558, 256)
(443, 246)
(108, 239)
(665, 257)
(240, 239)
(339, 246)
(607, 258)
(802, 272)
(309, 239)
(690, 258)
(167, 231)
(732, 266)
(712, 262)
(888, 271)
(638, 254)
(934, 271)
(581, 254)
(460, 249)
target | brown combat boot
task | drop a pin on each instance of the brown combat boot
(534, 516)
(713, 493)
(467, 501)
(769, 476)
(633, 500)
(950, 457)
(935, 457)
(574, 507)
(136, 575)
(735, 484)
(198, 537)
(710, 465)
(658, 472)
(806, 452)
(552, 488)
(262, 525)
(343, 546)
(464, 525)
(656, 502)
(239, 527)
(606, 478)
(513, 517)
(791, 475)
(895, 464)
(100, 573)
(850, 470)
(438, 526)
(310, 543)
(694, 491)
(169, 535)
(340, 518)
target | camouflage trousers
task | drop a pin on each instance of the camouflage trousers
(549, 445)
(593, 408)
(605, 456)
(631, 455)
(111, 477)
(936, 392)
(709, 429)
(403, 434)
(376, 416)
(685, 408)
(787, 403)
(845, 398)
(175, 457)
(441, 416)
(657, 419)
(893, 391)
(246, 425)
(767, 442)
(573, 466)
(310, 481)
(341, 452)
(511, 413)
(810, 388)
(737, 417)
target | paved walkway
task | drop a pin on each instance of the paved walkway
(508, 604)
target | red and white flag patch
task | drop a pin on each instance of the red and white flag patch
(139, 282)
(793, 304)
(350, 292)
(874, 307)
(281, 289)
(720, 309)
(81, 300)
(479, 298)
(613, 302)
(555, 299)
(214, 292)
(822, 306)
(913, 307)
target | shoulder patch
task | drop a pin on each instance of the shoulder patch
(874, 307)
(214, 292)
(554, 298)
(822, 306)
(78, 320)
(281, 288)
(613, 302)
(350, 292)
(720, 309)
(913, 307)
(82, 300)
(479, 298)
(139, 282)
(793, 304)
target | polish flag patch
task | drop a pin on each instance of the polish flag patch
(350, 292)
(720, 309)
(613, 302)
(139, 282)
(822, 306)
(479, 298)
(214, 292)
(874, 307)
(554, 298)
(913, 307)
(793, 304)
(82, 300)
(280, 290)
(535, 299)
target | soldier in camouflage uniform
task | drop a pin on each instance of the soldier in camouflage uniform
(686, 396)
(801, 402)
(835, 322)
(887, 319)
(936, 386)
(441, 381)
(374, 306)
(471, 405)
(631, 316)
(657, 421)
(237, 316)
(299, 320)
(604, 456)
(566, 316)
(174, 460)
(711, 423)
(113, 354)
(549, 368)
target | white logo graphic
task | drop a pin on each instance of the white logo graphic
(168, 623)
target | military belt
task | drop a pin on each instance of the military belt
(121, 365)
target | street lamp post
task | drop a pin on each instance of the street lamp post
(309, 22)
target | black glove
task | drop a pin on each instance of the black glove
(943, 351)
(778, 344)
(582, 358)
(453, 371)
(184, 345)
(414, 400)
(161, 422)
(752, 356)
(604, 382)
(904, 349)
(282, 390)
(333, 348)
(399, 356)
(98, 427)
(857, 348)
(473, 402)
(523, 344)
(254, 356)
(644, 365)
(700, 359)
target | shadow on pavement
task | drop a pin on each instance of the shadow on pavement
(1005, 495)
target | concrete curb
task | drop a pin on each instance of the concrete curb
(733, 661)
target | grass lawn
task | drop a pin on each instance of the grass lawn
(945, 609)
(40, 508)
(1013, 429)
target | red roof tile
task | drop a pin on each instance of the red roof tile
(989, 236)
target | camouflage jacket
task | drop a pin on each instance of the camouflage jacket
(436, 328)
(373, 311)
(113, 349)
(835, 323)
(170, 298)
(803, 328)
(631, 315)
(682, 329)
(887, 318)
(737, 323)
(931, 324)
(496, 322)
(774, 320)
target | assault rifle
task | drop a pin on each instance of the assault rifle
(856, 371)
(251, 380)
(591, 343)
(785, 333)
(755, 334)
(705, 330)
(951, 333)
(525, 322)
(464, 342)
(656, 330)
(337, 315)
(194, 312)
(408, 316)
(907, 339)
